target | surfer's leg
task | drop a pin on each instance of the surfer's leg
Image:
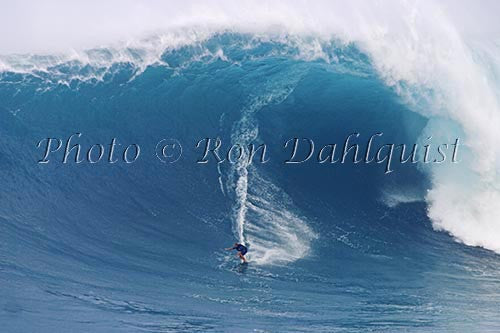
(242, 257)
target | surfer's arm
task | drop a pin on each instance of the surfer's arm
(230, 248)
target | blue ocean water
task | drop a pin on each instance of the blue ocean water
(140, 247)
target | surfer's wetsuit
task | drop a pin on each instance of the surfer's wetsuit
(241, 249)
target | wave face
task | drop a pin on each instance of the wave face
(128, 247)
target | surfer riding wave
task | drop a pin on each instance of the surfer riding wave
(242, 250)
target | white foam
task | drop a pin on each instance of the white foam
(396, 195)
(429, 60)
(270, 225)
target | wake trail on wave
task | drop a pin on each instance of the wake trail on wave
(264, 216)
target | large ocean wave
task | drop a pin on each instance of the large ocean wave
(433, 70)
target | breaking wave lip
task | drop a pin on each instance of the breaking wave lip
(94, 64)
(422, 55)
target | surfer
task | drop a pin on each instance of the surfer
(242, 250)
